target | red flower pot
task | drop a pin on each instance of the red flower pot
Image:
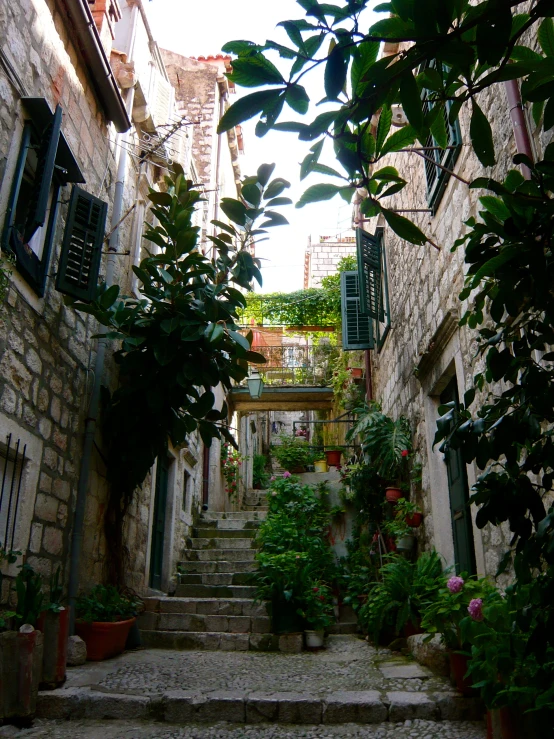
(415, 520)
(391, 544)
(458, 668)
(104, 639)
(393, 495)
(55, 627)
(356, 372)
(333, 457)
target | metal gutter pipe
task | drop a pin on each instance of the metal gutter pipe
(101, 74)
(519, 124)
(92, 416)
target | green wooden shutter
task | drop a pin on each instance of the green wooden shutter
(357, 330)
(369, 271)
(82, 245)
(46, 156)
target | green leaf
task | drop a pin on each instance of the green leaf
(294, 34)
(160, 198)
(495, 206)
(252, 194)
(275, 219)
(234, 210)
(278, 201)
(297, 97)
(390, 28)
(255, 357)
(404, 228)
(276, 187)
(438, 127)
(240, 340)
(316, 193)
(245, 108)
(365, 54)
(481, 136)
(254, 71)
(215, 332)
(399, 140)
(264, 173)
(545, 36)
(108, 298)
(383, 127)
(335, 72)
(410, 97)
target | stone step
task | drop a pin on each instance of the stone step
(232, 516)
(206, 532)
(222, 542)
(215, 578)
(221, 555)
(215, 591)
(204, 567)
(240, 706)
(253, 508)
(196, 622)
(226, 524)
(207, 606)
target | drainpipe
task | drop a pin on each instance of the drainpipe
(92, 416)
(220, 86)
(519, 124)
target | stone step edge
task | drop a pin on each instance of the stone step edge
(182, 706)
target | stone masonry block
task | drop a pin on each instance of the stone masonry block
(223, 705)
(405, 706)
(58, 704)
(455, 707)
(234, 642)
(148, 620)
(291, 643)
(254, 610)
(261, 707)
(178, 706)
(216, 623)
(363, 707)
(115, 706)
(176, 605)
(299, 708)
(239, 624)
(46, 507)
(261, 625)
(264, 642)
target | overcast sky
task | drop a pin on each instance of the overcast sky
(200, 29)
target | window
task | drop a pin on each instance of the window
(45, 164)
(12, 461)
(357, 330)
(186, 488)
(382, 325)
(437, 178)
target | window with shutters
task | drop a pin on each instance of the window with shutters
(373, 282)
(436, 177)
(82, 246)
(383, 324)
(357, 329)
(44, 165)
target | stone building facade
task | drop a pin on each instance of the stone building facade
(426, 357)
(322, 257)
(100, 64)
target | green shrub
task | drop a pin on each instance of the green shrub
(105, 603)
(291, 453)
(259, 475)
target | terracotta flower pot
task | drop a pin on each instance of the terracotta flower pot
(103, 639)
(415, 520)
(55, 627)
(393, 495)
(356, 372)
(458, 668)
(20, 669)
(333, 457)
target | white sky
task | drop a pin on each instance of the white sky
(202, 28)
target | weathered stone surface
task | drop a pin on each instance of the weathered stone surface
(76, 651)
(261, 707)
(223, 705)
(455, 707)
(404, 670)
(291, 643)
(364, 707)
(178, 706)
(410, 705)
(299, 708)
(431, 653)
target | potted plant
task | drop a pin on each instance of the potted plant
(386, 444)
(356, 373)
(403, 536)
(317, 610)
(21, 648)
(333, 457)
(458, 602)
(53, 621)
(320, 464)
(260, 478)
(292, 454)
(410, 512)
(104, 618)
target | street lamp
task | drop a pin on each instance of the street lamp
(255, 384)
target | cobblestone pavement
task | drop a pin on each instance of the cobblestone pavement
(416, 729)
(348, 663)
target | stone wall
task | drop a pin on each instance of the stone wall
(425, 347)
(322, 256)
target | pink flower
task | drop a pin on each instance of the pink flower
(286, 474)
(272, 478)
(405, 452)
(475, 609)
(455, 584)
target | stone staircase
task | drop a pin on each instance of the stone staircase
(213, 607)
(255, 500)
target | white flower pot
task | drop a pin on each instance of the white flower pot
(314, 639)
(406, 543)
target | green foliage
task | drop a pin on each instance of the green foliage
(259, 476)
(180, 339)
(463, 48)
(30, 598)
(106, 604)
(402, 594)
(7, 263)
(312, 307)
(55, 593)
(292, 453)
(385, 443)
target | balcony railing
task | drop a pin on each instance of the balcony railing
(292, 364)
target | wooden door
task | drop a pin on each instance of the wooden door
(158, 526)
(462, 529)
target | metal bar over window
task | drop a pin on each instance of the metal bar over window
(10, 492)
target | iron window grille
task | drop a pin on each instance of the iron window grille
(437, 178)
(12, 462)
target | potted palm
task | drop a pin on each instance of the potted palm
(104, 619)
(386, 444)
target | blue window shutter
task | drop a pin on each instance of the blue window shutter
(357, 330)
(82, 246)
(368, 248)
(46, 156)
